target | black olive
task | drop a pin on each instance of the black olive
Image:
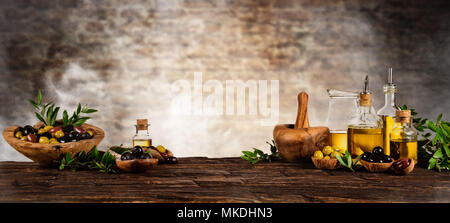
(84, 135)
(387, 159)
(28, 129)
(172, 160)
(365, 156)
(48, 135)
(126, 156)
(73, 135)
(137, 151)
(145, 156)
(68, 128)
(378, 151)
(64, 139)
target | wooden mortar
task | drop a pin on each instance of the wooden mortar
(299, 141)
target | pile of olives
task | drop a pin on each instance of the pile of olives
(136, 153)
(52, 135)
(376, 156)
(329, 152)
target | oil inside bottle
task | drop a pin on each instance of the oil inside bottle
(338, 138)
(362, 140)
(142, 142)
(404, 149)
(388, 125)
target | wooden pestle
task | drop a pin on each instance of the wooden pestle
(298, 141)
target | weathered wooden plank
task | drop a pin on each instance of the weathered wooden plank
(200, 179)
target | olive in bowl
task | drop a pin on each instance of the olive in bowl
(135, 161)
(376, 161)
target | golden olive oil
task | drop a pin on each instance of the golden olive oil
(338, 139)
(362, 140)
(142, 143)
(404, 149)
(388, 125)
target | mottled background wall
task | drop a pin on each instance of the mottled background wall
(121, 56)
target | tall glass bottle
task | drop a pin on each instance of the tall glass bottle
(403, 137)
(365, 129)
(142, 137)
(387, 112)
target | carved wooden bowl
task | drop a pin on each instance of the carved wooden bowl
(136, 165)
(328, 164)
(45, 154)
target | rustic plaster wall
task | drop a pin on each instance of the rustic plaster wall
(123, 56)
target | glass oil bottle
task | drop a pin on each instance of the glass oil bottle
(387, 112)
(142, 137)
(403, 137)
(365, 129)
(341, 105)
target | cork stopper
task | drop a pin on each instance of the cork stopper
(365, 99)
(403, 115)
(142, 124)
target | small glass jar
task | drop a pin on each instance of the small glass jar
(341, 104)
(142, 137)
(403, 138)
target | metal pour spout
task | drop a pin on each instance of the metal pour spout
(390, 81)
(366, 85)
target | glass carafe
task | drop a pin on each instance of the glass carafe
(341, 105)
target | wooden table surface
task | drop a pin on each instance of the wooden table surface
(220, 180)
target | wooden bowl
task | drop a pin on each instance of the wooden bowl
(407, 170)
(376, 167)
(45, 154)
(328, 164)
(299, 144)
(155, 154)
(136, 165)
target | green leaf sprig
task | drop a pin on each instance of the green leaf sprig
(258, 155)
(46, 113)
(76, 119)
(434, 149)
(92, 160)
(348, 162)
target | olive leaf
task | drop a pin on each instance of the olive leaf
(91, 160)
(76, 119)
(46, 113)
(258, 155)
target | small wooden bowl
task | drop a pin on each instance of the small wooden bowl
(136, 165)
(156, 154)
(45, 154)
(407, 170)
(328, 164)
(376, 167)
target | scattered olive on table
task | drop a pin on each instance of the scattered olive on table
(401, 164)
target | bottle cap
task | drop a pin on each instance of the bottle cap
(142, 124)
(403, 115)
(365, 99)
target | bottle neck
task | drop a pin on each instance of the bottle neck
(142, 131)
(389, 99)
(403, 124)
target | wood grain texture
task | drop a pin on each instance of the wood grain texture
(220, 180)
